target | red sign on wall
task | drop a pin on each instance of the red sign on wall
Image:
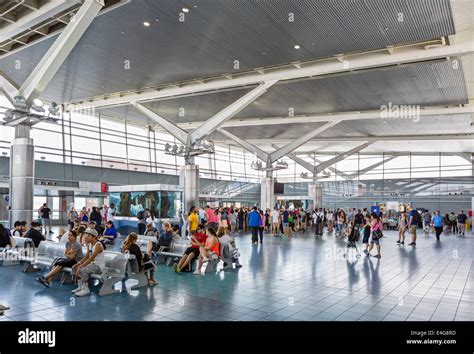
(104, 188)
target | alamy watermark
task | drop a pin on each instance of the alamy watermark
(402, 111)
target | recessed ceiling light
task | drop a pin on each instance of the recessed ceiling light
(185, 9)
(146, 24)
(297, 46)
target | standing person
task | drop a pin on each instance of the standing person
(358, 219)
(95, 216)
(240, 218)
(276, 222)
(111, 212)
(303, 217)
(438, 222)
(330, 217)
(193, 221)
(376, 231)
(91, 264)
(212, 219)
(72, 254)
(233, 220)
(426, 221)
(461, 219)
(285, 222)
(254, 221)
(72, 216)
(268, 220)
(45, 215)
(318, 220)
(142, 217)
(453, 221)
(202, 216)
(224, 219)
(366, 236)
(341, 220)
(261, 227)
(413, 217)
(402, 228)
(352, 239)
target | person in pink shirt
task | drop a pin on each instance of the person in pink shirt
(212, 218)
(376, 231)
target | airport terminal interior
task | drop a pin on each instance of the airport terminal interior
(211, 160)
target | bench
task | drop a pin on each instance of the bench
(133, 272)
(11, 255)
(114, 272)
(176, 249)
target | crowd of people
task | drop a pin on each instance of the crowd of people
(208, 228)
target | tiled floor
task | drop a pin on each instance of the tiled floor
(302, 279)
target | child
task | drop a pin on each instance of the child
(234, 251)
(353, 234)
(365, 240)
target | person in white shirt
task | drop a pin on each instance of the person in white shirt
(111, 212)
(275, 214)
(225, 239)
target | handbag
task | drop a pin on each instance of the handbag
(377, 234)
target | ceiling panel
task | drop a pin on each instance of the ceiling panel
(216, 33)
(436, 83)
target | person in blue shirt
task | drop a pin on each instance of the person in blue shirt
(413, 224)
(254, 220)
(110, 233)
(438, 224)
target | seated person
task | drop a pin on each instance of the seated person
(16, 231)
(5, 239)
(225, 239)
(150, 230)
(211, 249)
(35, 234)
(110, 233)
(192, 252)
(61, 233)
(144, 262)
(72, 254)
(163, 240)
(93, 263)
(175, 231)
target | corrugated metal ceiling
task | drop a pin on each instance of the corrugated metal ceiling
(215, 33)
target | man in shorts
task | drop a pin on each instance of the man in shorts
(197, 240)
(72, 254)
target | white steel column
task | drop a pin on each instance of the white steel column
(189, 180)
(22, 166)
(315, 192)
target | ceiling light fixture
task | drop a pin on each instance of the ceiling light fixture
(37, 105)
(297, 46)
(146, 24)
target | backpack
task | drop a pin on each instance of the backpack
(141, 215)
(417, 217)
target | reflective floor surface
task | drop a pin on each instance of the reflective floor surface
(300, 279)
